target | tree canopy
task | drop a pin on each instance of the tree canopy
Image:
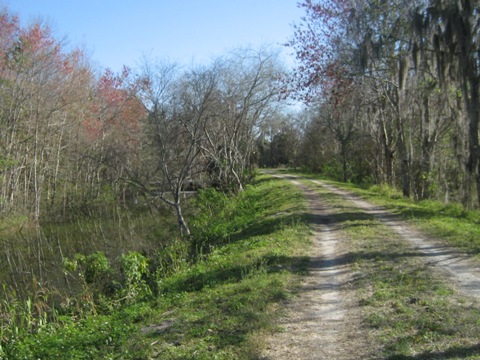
(397, 81)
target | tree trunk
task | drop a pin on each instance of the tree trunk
(427, 144)
(237, 179)
(182, 224)
(473, 112)
(344, 145)
(405, 164)
(388, 156)
(388, 150)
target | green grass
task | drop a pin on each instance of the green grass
(448, 222)
(213, 294)
(409, 311)
(256, 249)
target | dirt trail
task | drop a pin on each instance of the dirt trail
(323, 322)
(455, 265)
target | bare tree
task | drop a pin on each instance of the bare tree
(246, 93)
(179, 106)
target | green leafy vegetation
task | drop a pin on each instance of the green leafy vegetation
(205, 297)
(37, 257)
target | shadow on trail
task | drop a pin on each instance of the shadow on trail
(201, 276)
(267, 179)
(266, 227)
(349, 258)
(346, 220)
(335, 219)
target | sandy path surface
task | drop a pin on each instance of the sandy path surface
(455, 265)
(323, 322)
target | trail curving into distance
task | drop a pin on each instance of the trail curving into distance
(324, 320)
(319, 322)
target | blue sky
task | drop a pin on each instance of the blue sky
(120, 32)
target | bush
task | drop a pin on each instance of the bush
(209, 226)
(135, 274)
(386, 190)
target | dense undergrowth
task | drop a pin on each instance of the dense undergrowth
(205, 297)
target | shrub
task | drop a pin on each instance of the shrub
(135, 273)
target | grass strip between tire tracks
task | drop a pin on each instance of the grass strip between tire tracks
(409, 311)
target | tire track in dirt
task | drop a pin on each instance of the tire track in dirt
(321, 322)
(324, 320)
(453, 264)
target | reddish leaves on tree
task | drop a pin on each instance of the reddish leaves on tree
(116, 112)
(22, 49)
(9, 32)
(317, 43)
